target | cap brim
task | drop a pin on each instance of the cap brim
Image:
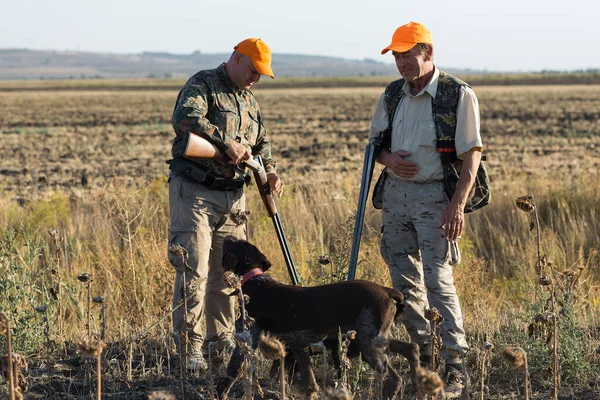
(263, 69)
(399, 47)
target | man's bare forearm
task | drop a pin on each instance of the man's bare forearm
(468, 173)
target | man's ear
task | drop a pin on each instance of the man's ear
(238, 58)
(429, 53)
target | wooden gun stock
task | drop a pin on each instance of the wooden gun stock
(264, 189)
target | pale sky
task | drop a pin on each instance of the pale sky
(507, 35)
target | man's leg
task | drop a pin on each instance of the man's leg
(437, 270)
(192, 214)
(220, 312)
(400, 250)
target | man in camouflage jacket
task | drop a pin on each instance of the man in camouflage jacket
(216, 105)
(430, 114)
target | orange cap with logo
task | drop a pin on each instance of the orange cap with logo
(259, 53)
(407, 36)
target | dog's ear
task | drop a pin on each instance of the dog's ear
(262, 260)
(230, 260)
(255, 258)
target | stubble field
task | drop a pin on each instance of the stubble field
(91, 164)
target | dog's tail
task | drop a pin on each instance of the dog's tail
(399, 299)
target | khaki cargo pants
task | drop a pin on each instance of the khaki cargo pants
(200, 219)
(419, 257)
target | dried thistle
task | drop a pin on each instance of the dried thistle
(161, 395)
(433, 315)
(526, 203)
(544, 319)
(54, 233)
(487, 346)
(90, 345)
(232, 280)
(84, 277)
(98, 299)
(545, 280)
(271, 347)
(41, 309)
(429, 382)
(515, 356)
(344, 343)
(350, 335)
(178, 255)
(240, 217)
(325, 259)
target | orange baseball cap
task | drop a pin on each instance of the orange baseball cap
(259, 53)
(407, 36)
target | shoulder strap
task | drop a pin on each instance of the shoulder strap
(392, 95)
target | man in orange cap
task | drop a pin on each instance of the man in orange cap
(206, 196)
(423, 119)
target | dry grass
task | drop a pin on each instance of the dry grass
(85, 162)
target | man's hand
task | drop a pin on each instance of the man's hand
(397, 163)
(453, 219)
(454, 216)
(275, 183)
(238, 153)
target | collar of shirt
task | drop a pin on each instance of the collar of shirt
(431, 87)
(222, 72)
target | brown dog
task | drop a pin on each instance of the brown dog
(300, 316)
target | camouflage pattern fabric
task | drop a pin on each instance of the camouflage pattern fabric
(211, 106)
(419, 259)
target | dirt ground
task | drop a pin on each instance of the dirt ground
(79, 140)
(74, 139)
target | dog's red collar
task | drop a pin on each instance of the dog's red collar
(251, 274)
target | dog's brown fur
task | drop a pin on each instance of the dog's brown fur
(300, 316)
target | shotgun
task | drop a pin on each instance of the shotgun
(372, 150)
(201, 148)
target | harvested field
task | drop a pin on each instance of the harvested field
(86, 161)
(53, 139)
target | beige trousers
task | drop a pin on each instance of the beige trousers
(418, 255)
(200, 219)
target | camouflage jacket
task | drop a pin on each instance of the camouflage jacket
(211, 106)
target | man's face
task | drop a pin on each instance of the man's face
(244, 75)
(413, 64)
